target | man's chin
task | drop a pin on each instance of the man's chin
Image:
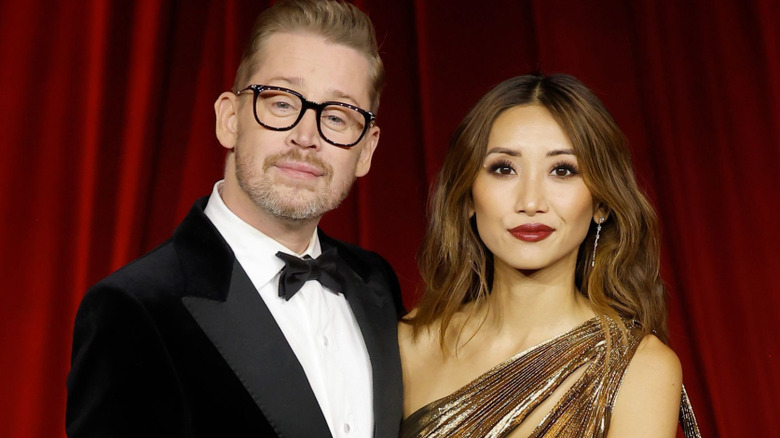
(295, 207)
(297, 186)
(297, 192)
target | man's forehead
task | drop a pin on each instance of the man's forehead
(315, 67)
(298, 83)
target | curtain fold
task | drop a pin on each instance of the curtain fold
(107, 137)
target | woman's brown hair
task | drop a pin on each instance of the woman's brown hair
(457, 267)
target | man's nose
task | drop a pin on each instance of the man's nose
(305, 134)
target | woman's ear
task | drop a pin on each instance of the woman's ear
(470, 208)
(600, 213)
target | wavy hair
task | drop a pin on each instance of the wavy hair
(457, 267)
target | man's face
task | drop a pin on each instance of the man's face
(296, 175)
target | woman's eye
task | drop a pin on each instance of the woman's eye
(501, 169)
(564, 170)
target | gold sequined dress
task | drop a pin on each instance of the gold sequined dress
(494, 404)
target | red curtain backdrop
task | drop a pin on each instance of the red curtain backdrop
(107, 137)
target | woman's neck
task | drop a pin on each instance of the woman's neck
(533, 305)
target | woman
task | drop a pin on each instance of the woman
(544, 312)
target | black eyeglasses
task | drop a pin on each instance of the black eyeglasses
(280, 109)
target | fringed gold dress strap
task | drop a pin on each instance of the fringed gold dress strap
(497, 402)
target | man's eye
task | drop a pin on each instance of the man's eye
(334, 120)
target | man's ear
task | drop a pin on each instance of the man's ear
(226, 110)
(367, 151)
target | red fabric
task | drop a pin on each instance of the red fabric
(107, 137)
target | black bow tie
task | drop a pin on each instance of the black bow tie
(298, 271)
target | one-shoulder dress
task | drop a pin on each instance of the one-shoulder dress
(495, 403)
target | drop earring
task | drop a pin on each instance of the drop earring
(596, 242)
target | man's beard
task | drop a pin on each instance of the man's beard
(284, 201)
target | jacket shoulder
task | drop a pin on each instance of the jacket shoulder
(371, 267)
(157, 272)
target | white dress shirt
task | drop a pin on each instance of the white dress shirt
(317, 323)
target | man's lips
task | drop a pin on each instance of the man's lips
(298, 169)
(531, 232)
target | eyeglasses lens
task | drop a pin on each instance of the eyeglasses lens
(338, 124)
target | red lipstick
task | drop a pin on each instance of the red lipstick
(531, 232)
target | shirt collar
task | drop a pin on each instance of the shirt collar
(254, 250)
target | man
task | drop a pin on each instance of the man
(249, 321)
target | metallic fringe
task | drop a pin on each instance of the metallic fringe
(497, 402)
(687, 419)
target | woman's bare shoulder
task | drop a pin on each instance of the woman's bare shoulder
(406, 328)
(408, 339)
(648, 401)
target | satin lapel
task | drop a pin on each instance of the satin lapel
(376, 317)
(246, 334)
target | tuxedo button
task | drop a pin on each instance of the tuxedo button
(346, 428)
(325, 341)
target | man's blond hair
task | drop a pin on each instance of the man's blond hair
(336, 21)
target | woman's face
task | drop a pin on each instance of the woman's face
(531, 204)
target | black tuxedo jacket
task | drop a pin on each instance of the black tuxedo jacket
(179, 344)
